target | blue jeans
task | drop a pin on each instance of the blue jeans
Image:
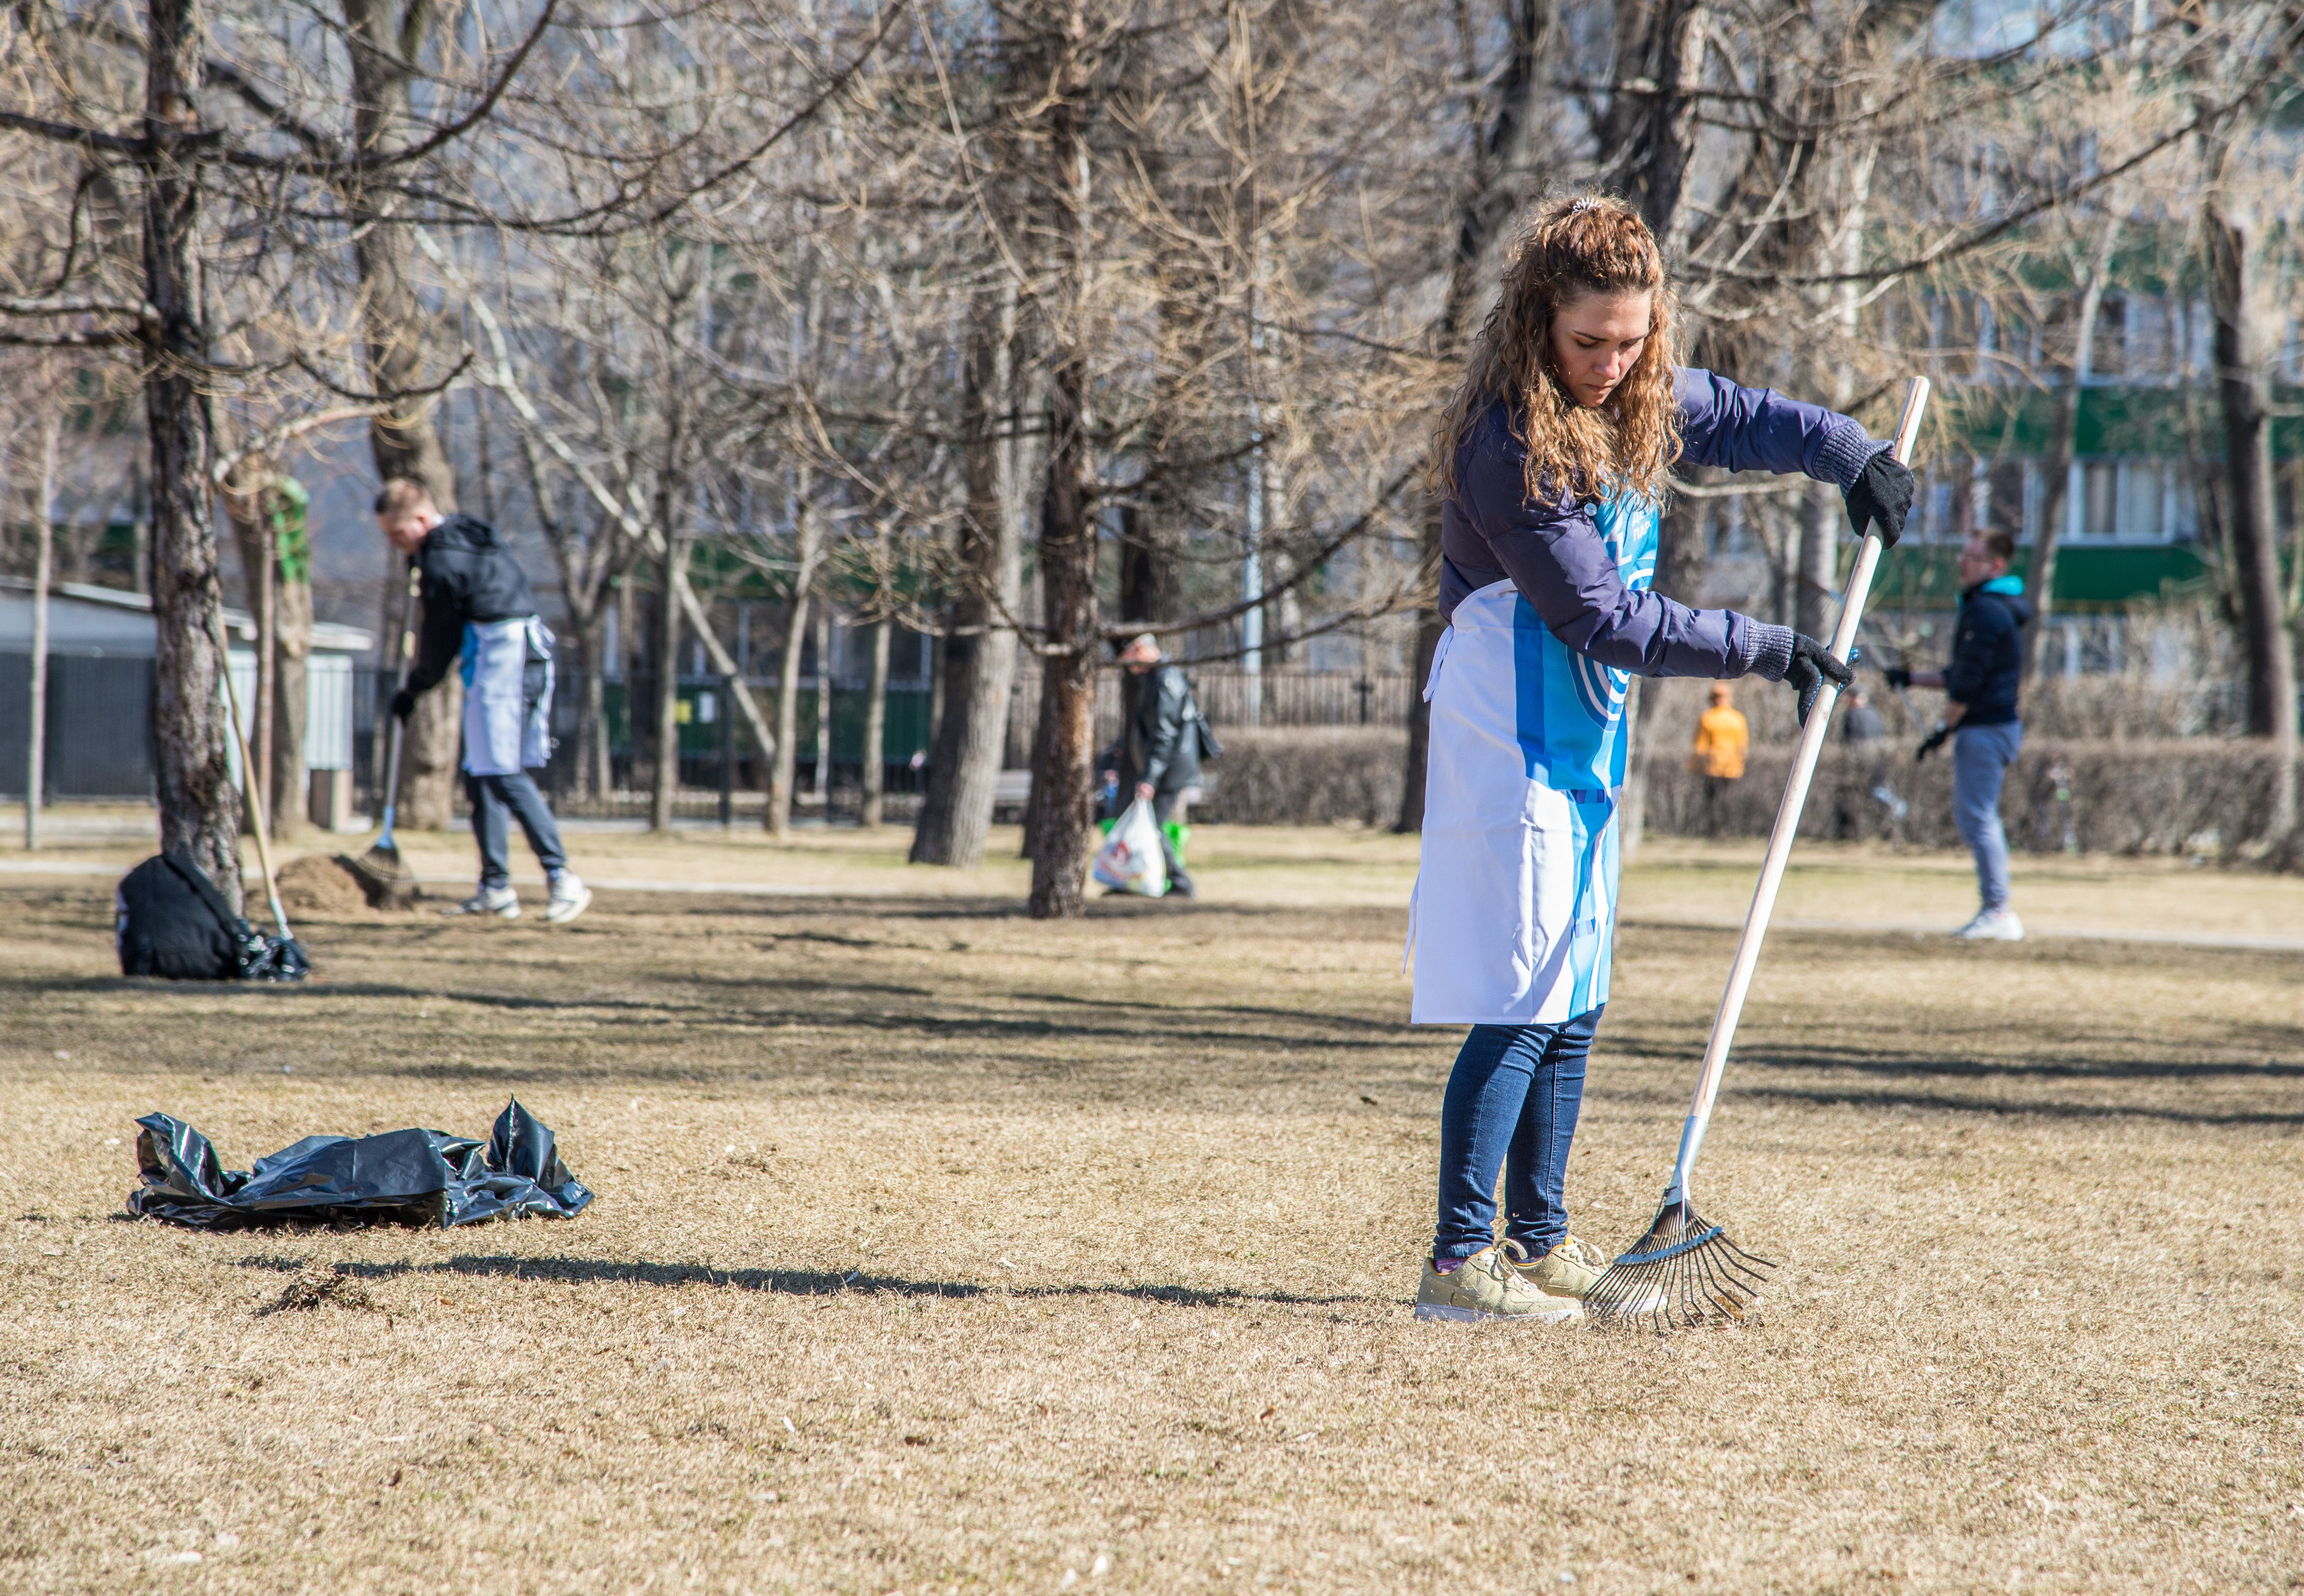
(495, 799)
(1511, 1102)
(1980, 758)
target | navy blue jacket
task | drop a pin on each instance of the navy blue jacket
(1987, 655)
(1554, 553)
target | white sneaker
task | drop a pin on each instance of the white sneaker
(1995, 925)
(570, 897)
(502, 902)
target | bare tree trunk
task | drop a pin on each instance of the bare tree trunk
(292, 644)
(383, 39)
(276, 715)
(2243, 384)
(2040, 572)
(1060, 772)
(667, 697)
(980, 656)
(35, 719)
(784, 766)
(200, 811)
(876, 726)
(821, 786)
(1062, 824)
(1505, 149)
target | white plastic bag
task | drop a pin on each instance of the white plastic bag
(1130, 858)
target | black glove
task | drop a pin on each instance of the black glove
(1812, 666)
(1882, 497)
(403, 704)
(1898, 677)
(1936, 740)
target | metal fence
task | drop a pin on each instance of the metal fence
(99, 726)
(722, 772)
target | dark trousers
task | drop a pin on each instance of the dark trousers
(1511, 1102)
(493, 799)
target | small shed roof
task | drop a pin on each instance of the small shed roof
(88, 620)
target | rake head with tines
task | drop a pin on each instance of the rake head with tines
(1684, 1271)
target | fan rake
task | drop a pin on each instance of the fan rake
(1685, 1271)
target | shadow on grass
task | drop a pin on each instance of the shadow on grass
(1921, 1066)
(1945, 1104)
(784, 1282)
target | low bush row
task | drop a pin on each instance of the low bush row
(2195, 794)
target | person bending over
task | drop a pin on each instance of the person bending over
(1158, 753)
(1980, 687)
(1553, 463)
(477, 607)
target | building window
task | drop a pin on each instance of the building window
(2097, 501)
(2133, 501)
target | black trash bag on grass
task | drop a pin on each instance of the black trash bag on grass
(170, 921)
(403, 1176)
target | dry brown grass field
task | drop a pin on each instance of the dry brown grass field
(939, 1250)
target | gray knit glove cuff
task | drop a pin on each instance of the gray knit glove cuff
(1768, 649)
(1844, 453)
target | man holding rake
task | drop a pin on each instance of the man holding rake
(1555, 450)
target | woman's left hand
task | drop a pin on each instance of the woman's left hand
(1812, 666)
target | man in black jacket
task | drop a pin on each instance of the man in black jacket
(477, 608)
(1980, 686)
(1158, 753)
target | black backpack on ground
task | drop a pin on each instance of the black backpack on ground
(173, 923)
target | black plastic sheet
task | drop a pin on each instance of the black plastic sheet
(403, 1177)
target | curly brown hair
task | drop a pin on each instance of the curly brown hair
(1584, 243)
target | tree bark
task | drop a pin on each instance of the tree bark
(36, 716)
(1061, 773)
(980, 654)
(2243, 384)
(876, 727)
(199, 810)
(384, 38)
(267, 523)
(667, 696)
(2040, 572)
(784, 767)
(1500, 168)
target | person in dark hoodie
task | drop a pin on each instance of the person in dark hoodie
(1979, 686)
(478, 609)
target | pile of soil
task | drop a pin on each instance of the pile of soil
(316, 884)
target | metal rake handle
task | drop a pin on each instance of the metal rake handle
(1787, 826)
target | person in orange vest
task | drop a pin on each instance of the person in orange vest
(1722, 737)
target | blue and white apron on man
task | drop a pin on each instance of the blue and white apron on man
(1513, 922)
(503, 734)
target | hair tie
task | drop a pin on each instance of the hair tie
(1585, 204)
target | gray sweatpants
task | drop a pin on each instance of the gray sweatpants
(1980, 758)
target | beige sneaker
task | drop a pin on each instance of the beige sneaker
(1566, 1275)
(1488, 1286)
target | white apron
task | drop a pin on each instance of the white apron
(1513, 917)
(499, 739)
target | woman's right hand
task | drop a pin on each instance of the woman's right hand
(1812, 666)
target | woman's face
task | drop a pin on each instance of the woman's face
(1595, 339)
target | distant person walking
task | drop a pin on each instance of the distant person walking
(1979, 686)
(1158, 753)
(1722, 737)
(477, 607)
